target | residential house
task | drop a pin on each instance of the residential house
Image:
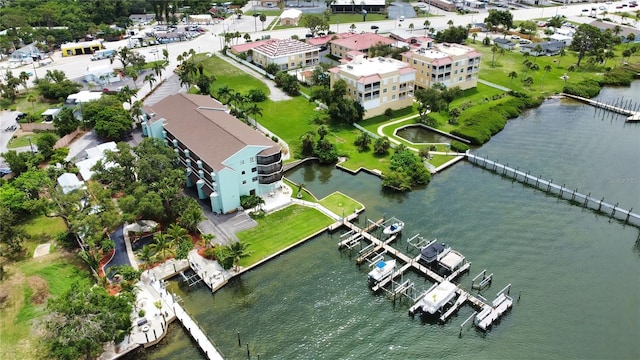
(377, 84)
(503, 43)
(561, 38)
(357, 7)
(443, 4)
(142, 18)
(223, 158)
(286, 53)
(290, 17)
(625, 30)
(69, 182)
(411, 38)
(94, 155)
(270, 3)
(351, 46)
(548, 48)
(26, 54)
(447, 64)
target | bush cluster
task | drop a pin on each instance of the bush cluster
(586, 88)
(458, 146)
(479, 126)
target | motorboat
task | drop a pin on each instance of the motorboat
(382, 269)
(434, 299)
(394, 228)
(431, 253)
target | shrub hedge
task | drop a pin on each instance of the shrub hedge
(478, 126)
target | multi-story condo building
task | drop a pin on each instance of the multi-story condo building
(350, 46)
(447, 64)
(286, 53)
(377, 84)
(223, 157)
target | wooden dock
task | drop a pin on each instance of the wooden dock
(619, 107)
(490, 312)
(561, 191)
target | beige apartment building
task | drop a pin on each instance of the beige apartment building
(448, 64)
(286, 53)
(377, 84)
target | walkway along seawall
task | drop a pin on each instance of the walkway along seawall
(574, 197)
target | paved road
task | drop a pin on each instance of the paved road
(120, 257)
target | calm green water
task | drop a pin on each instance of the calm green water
(578, 272)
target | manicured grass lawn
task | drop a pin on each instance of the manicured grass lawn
(37, 107)
(544, 82)
(289, 119)
(281, 229)
(340, 204)
(348, 19)
(24, 282)
(23, 140)
(42, 229)
(438, 160)
(229, 75)
(306, 195)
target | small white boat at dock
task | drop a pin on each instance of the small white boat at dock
(382, 269)
(394, 228)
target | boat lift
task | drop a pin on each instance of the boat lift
(191, 280)
(418, 242)
(484, 282)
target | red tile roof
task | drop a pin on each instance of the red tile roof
(362, 41)
(237, 49)
(282, 47)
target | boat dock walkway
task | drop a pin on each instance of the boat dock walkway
(489, 312)
(619, 107)
(586, 201)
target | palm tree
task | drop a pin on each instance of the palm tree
(322, 131)
(223, 94)
(512, 75)
(547, 69)
(450, 23)
(238, 251)
(23, 77)
(177, 234)
(474, 36)
(136, 110)
(32, 99)
(561, 53)
(528, 81)
(253, 111)
(162, 246)
(126, 94)
(411, 26)
(426, 24)
(165, 55)
(236, 100)
(146, 254)
(494, 50)
(158, 68)
(263, 18)
(150, 78)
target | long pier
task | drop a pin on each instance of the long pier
(489, 312)
(563, 192)
(619, 107)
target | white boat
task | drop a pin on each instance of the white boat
(382, 269)
(435, 298)
(394, 228)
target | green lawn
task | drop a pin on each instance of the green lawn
(26, 282)
(354, 18)
(306, 194)
(281, 229)
(340, 204)
(23, 140)
(37, 107)
(42, 229)
(229, 75)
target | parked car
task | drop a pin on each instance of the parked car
(20, 116)
(374, 27)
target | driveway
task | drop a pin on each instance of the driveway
(120, 257)
(7, 119)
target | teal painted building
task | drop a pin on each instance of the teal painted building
(223, 157)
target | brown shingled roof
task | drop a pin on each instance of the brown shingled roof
(203, 125)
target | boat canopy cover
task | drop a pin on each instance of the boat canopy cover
(430, 252)
(437, 297)
(452, 260)
(381, 264)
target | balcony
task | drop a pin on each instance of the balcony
(269, 169)
(270, 179)
(269, 159)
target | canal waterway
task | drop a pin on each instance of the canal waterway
(577, 272)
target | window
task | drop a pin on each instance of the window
(244, 182)
(384, 91)
(241, 162)
(243, 172)
(393, 97)
(393, 88)
(252, 159)
(415, 62)
(254, 179)
(254, 169)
